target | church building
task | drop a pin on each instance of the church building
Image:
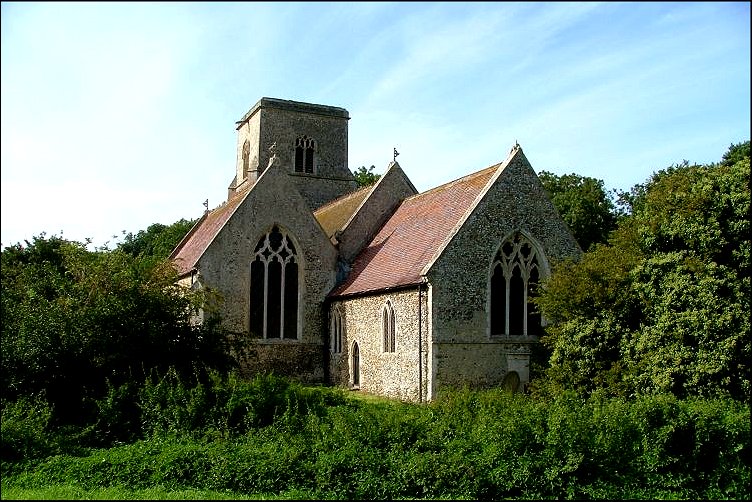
(380, 288)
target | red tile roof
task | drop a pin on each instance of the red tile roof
(410, 239)
(187, 253)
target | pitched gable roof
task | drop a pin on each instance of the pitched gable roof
(334, 215)
(187, 253)
(410, 239)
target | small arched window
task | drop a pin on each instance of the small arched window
(274, 287)
(304, 149)
(388, 327)
(336, 331)
(355, 365)
(515, 274)
(246, 156)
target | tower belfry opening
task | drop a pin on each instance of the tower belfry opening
(311, 146)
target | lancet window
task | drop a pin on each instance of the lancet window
(388, 327)
(246, 156)
(304, 150)
(336, 331)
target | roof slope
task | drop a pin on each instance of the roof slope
(409, 240)
(334, 215)
(187, 253)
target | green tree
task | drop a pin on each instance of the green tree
(76, 321)
(365, 177)
(583, 204)
(664, 305)
(735, 153)
(157, 241)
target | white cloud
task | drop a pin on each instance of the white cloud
(131, 107)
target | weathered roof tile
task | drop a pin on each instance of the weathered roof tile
(334, 215)
(187, 253)
(409, 240)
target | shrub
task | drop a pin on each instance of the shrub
(24, 429)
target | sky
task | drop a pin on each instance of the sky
(116, 116)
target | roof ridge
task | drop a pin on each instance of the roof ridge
(343, 197)
(226, 209)
(456, 181)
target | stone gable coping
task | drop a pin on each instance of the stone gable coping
(393, 167)
(193, 246)
(481, 195)
(333, 215)
(190, 249)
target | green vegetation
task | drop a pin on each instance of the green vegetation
(109, 390)
(77, 322)
(583, 204)
(365, 177)
(157, 241)
(68, 492)
(664, 306)
(272, 436)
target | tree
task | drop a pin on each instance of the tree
(735, 153)
(76, 321)
(157, 241)
(365, 177)
(664, 306)
(583, 204)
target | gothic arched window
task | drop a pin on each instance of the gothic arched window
(304, 148)
(336, 331)
(355, 365)
(388, 327)
(274, 287)
(515, 273)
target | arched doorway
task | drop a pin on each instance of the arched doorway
(355, 367)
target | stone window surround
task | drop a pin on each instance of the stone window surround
(285, 254)
(543, 272)
(246, 154)
(355, 365)
(305, 155)
(336, 331)
(388, 327)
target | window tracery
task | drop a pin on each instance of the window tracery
(304, 150)
(515, 275)
(274, 287)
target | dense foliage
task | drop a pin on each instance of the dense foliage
(644, 392)
(584, 205)
(157, 241)
(271, 436)
(74, 320)
(664, 306)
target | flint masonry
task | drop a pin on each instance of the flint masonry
(381, 288)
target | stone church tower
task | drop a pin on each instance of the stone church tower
(310, 138)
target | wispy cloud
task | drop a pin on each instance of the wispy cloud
(114, 103)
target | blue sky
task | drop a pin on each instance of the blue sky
(119, 115)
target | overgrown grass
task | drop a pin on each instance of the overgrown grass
(69, 492)
(272, 436)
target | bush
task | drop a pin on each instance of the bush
(289, 438)
(24, 429)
